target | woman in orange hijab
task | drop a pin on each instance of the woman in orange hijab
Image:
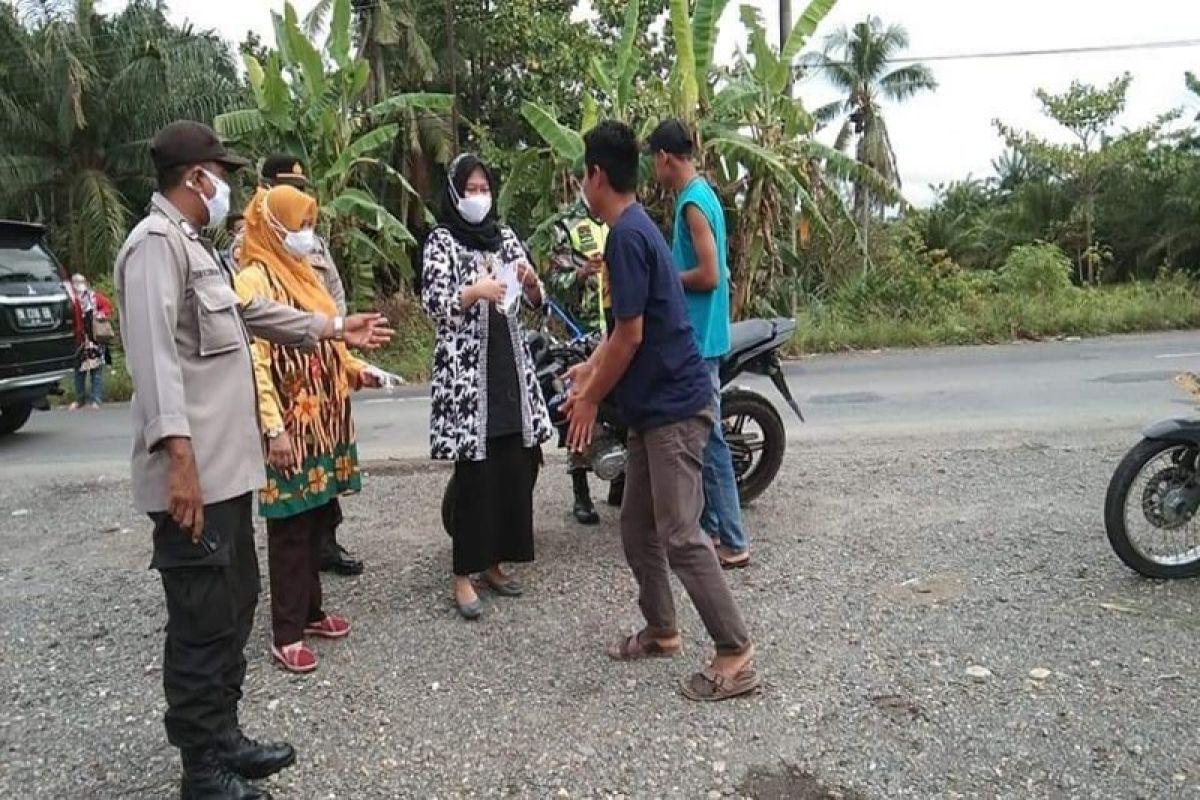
(304, 409)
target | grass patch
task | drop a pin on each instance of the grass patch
(1002, 317)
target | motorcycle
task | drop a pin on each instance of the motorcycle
(1152, 500)
(753, 428)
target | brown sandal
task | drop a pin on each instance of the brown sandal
(711, 686)
(739, 561)
(635, 648)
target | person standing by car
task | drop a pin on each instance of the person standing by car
(197, 453)
(98, 333)
(651, 361)
(488, 415)
(701, 255)
(282, 169)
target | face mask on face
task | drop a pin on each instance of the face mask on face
(80, 288)
(475, 209)
(300, 243)
(218, 204)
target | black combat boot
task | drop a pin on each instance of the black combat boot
(338, 559)
(616, 492)
(205, 777)
(585, 510)
(251, 759)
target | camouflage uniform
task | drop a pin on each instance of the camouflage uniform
(576, 239)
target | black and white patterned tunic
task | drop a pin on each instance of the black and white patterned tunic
(458, 416)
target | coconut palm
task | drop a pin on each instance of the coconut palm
(81, 95)
(858, 62)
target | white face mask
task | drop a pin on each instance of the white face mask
(475, 209)
(218, 204)
(300, 243)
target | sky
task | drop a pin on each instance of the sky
(948, 134)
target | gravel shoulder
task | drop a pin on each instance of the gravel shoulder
(903, 592)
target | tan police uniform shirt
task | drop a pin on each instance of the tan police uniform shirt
(188, 353)
(322, 262)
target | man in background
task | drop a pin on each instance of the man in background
(701, 255)
(288, 170)
(235, 226)
(579, 275)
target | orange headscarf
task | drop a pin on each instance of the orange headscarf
(269, 214)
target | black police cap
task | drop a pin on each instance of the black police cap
(284, 168)
(186, 142)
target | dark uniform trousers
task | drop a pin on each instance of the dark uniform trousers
(329, 542)
(212, 590)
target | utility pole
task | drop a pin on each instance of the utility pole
(452, 57)
(785, 27)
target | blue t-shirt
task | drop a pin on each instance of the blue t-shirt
(709, 311)
(666, 381)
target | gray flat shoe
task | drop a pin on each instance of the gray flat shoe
(510, 588)
(470, 611)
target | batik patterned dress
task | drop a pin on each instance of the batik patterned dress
(308, 394)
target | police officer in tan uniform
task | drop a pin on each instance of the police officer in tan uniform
(282, 168)
(198, 453)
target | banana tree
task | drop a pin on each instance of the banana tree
(310, 102)
(543, 174)
(777, 182)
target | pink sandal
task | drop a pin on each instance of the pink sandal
(331, 627)
(297, 657)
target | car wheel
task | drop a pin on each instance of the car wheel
(13, 417)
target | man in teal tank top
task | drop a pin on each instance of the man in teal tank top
(701, 256)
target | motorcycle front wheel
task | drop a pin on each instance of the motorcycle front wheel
(754, 432)
(448, 508)
(1150, 510)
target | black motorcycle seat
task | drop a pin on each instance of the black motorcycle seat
(749, 334)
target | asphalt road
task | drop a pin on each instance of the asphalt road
(1110, 383)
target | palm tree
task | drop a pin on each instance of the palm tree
(857, 61)
(81, 96)
(389, 40)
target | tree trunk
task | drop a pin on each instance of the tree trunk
(452, 57)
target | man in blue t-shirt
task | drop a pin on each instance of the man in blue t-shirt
(651, 362)
(700, 253)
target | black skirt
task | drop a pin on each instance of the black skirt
(493, 506)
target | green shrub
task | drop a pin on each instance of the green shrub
(1170, 303)
(1035, 270)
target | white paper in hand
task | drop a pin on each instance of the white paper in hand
(387, 380)
(507, 274)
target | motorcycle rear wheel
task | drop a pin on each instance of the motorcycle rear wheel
(757, 455)
(449, 498)
(1126, 503)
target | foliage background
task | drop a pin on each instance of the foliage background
(1098, 235)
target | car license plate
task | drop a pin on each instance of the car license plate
(34, 317)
